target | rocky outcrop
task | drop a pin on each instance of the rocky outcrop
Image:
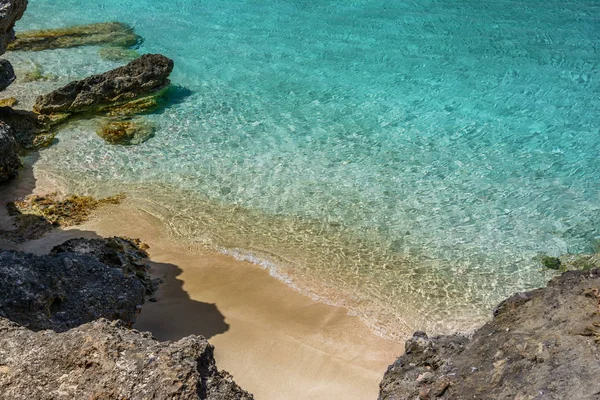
(105, 33)
(10, 12)
(9, 156)
(542, 344)
(144, 76)
(103, 360)
(7, 74)
(79, 282)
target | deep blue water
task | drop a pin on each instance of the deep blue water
(414, 156)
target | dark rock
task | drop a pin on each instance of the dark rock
(541, 344)
(7, 74)
(105, 33)
(32, 131)
(9, 156)
(103, 360)
(66, 289)
(550, 262)
(144, 76)
(127, 254)
(10, 12)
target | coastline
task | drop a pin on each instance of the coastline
(260, 326)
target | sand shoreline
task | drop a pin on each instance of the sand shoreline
(277, 342)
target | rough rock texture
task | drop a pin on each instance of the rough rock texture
(103, 360)
(9, 156)
(542, 344)
(141, 77)
(7, 74)
(105, 33)
(10, 12)
(128, 132)
(127, 254)
(66, 289)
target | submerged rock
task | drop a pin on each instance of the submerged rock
(129, 132)
(7, 74)
(541, 344)
(64, 290)
(112, 33)
(114, 53)
(103, 360)
(147, 75)
(10, 12)
(9, 156)
(9, 102)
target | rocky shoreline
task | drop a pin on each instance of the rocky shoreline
(66, 316)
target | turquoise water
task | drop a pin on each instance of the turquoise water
(407, 159)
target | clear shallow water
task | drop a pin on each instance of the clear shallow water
(408, 159)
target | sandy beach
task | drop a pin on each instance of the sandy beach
(277, 342)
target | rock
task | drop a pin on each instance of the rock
(127, 254)
(550, 262)
(8, 102)
(126, 132)
(541, 344)
(7, 74)
(32, 131)
(114, 53)
(64, 290)
(36, 215)
(103, 360)
(37, 74)
(147, 75)
(10, 12)
(9, 155)
(112, 33)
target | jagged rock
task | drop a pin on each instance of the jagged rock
(9, 156)
(111, 33)
(541, 344)
(66, 289)
(144, 76)
(10, 12)
(103, 360)
(7, 74)
(32, 131)
(126, 132)
(127, 254)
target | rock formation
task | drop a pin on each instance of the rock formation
(105, 33)
(147, 75)
(128, 132)
(542, 344)
(9, 156)
(10, 12)
(103, 360)
(72, 286)
(7, 74)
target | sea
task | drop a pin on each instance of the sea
(409, 160)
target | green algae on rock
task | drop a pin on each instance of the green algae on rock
(115, 53)
(36, 215)
(106, 33)
(127, 132)
(146, 76)
(37, 74)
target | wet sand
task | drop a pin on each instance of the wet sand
(275, 341)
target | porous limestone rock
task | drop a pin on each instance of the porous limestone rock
(144, 76)
(10, 12)
(9, 156)
(105, 33)
(7, 74)
(72, 286)
(107, 361)
(542, 344)
(127, 132)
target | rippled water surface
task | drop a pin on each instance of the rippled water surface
(408, 159)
